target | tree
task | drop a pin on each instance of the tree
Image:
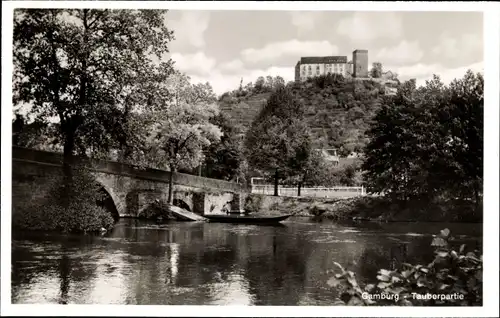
(224, 159)
(201, 93)
(313, 171)
(248, 88)
(73, 64)
(181, 133)
(393, 76)
(259, 84)
(389, 155)
(269, 85)
(427, 142)
(36, 134)
(278, 139)
(376, 71)
(278, 82)
(462, 121)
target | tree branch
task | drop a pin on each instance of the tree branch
(102, 12)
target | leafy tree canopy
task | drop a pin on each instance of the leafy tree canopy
(428, 141)
(86, 67)
(279, 140)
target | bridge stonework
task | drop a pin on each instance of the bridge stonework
(132, 189)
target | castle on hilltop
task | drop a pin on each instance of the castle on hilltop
(309, 67)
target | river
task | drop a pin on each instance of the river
(192, 263)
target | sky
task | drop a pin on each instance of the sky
(223, 47)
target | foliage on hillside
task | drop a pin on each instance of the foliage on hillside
(261, 86)
(338, 110)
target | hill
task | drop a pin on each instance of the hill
(243, 109)
(338, 110)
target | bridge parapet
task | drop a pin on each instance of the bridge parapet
(124, 169)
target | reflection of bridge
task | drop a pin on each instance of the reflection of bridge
(129, 188)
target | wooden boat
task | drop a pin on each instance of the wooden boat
(247, 219)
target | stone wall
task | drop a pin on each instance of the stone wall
(29, 182)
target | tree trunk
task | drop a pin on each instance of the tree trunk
(298, 189)
(171, 187)
(126, 149)
(276, 181)
(125, 153)
(69, 147)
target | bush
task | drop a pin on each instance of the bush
(156, 210)
(451, 274)
(64, 210)
(253, 203)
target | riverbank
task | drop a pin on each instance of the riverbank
(370, 208)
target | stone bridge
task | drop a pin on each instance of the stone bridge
(129, 189)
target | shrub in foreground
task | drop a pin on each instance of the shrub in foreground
(65, 211)
(452, 278)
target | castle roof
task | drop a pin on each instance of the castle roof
(323, 59)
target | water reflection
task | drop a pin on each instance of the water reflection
(64, 271)
(210, 263)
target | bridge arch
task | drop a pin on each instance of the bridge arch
(107, 202)
(111, 200)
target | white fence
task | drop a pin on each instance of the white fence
(317, 192)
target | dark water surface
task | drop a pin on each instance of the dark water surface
(214, 263)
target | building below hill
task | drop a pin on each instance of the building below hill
(330, 155)
(313, 66)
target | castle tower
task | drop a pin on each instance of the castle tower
(360, 61)
(297, 72)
